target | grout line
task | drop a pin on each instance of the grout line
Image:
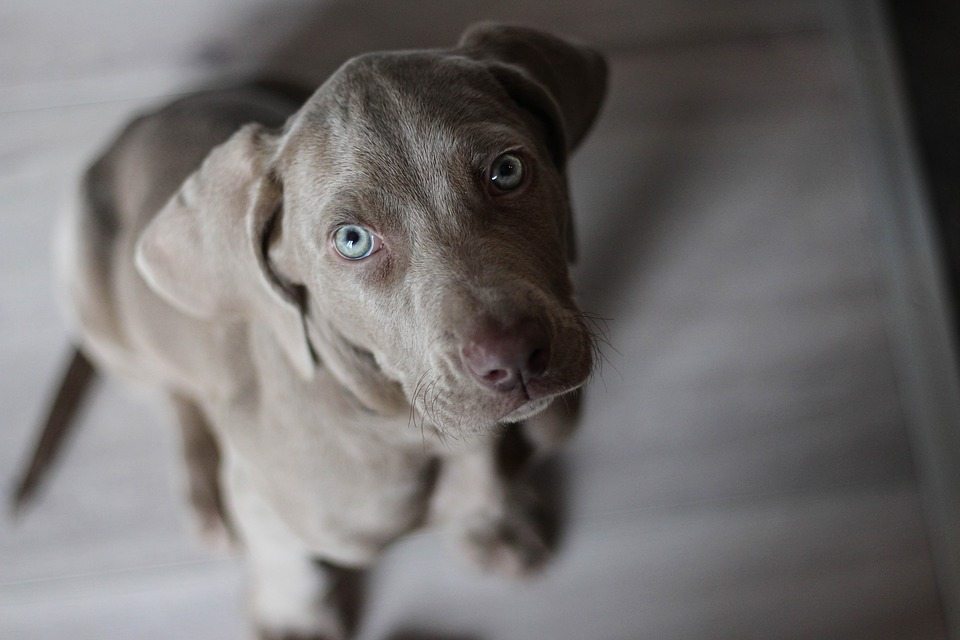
(768, 499)
(711, 40)
(120, 572)
(218, 77)
(93, 103)
(743, 499)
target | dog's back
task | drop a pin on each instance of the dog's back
(118, 196)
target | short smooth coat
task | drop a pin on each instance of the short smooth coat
(326, 401)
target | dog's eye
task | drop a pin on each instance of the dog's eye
(506, 172)
(353, 242)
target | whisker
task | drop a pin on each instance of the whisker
(417, 395)
(436, 391)
(413, 400)
(598, 330)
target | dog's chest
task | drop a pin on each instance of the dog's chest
(358, 505)
(369, 507)
(344, 489)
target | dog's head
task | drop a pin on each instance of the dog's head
(409, 228)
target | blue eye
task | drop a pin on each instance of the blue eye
(354, 242)
(506, 172)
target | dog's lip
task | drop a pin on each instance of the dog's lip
(499, 407)
(537, 393)
(526, 408)
(553, 384)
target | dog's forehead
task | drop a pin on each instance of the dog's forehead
(407, 127)
(384, 105)
(433, 86)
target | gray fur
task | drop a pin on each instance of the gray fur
(326, 394)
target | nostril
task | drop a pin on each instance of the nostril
(538, 360)
(496, 376)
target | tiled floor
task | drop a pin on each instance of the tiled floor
(743, 469)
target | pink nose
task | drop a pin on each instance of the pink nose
(503, 359)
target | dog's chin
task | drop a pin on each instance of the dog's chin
(483, 420)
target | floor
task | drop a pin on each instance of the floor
(743, 469)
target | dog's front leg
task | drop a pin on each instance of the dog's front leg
(201, 456)
(488, 513)
(291, 594)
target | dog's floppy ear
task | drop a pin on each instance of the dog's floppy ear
(563, 84)
(205, 251)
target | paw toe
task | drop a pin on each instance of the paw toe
(510, 548)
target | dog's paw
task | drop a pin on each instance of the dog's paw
(326, 627)
(293, 604)
(512, 545)
(293, 635)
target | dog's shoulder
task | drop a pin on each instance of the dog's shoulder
(131, 179)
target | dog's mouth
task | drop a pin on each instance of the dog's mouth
(460, 417)
(466, 415)
(446, 394)
(527, 409)
(456, 404)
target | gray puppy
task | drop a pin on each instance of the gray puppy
(346, 301)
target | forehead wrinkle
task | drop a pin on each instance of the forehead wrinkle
(426, 143)
(360, 115)
(436, 148)
(411, 167)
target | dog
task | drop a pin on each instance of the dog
(352, 299)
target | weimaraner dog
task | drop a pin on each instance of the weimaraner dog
(352, 302)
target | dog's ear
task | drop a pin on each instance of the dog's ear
(561, 83)
(205, 251)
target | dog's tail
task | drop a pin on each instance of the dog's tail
(76, 381)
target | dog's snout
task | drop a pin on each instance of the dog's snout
(503, 358)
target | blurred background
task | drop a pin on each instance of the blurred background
(771, 449)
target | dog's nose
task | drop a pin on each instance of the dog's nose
(505, 358)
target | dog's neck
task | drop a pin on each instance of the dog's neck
(355, 368)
